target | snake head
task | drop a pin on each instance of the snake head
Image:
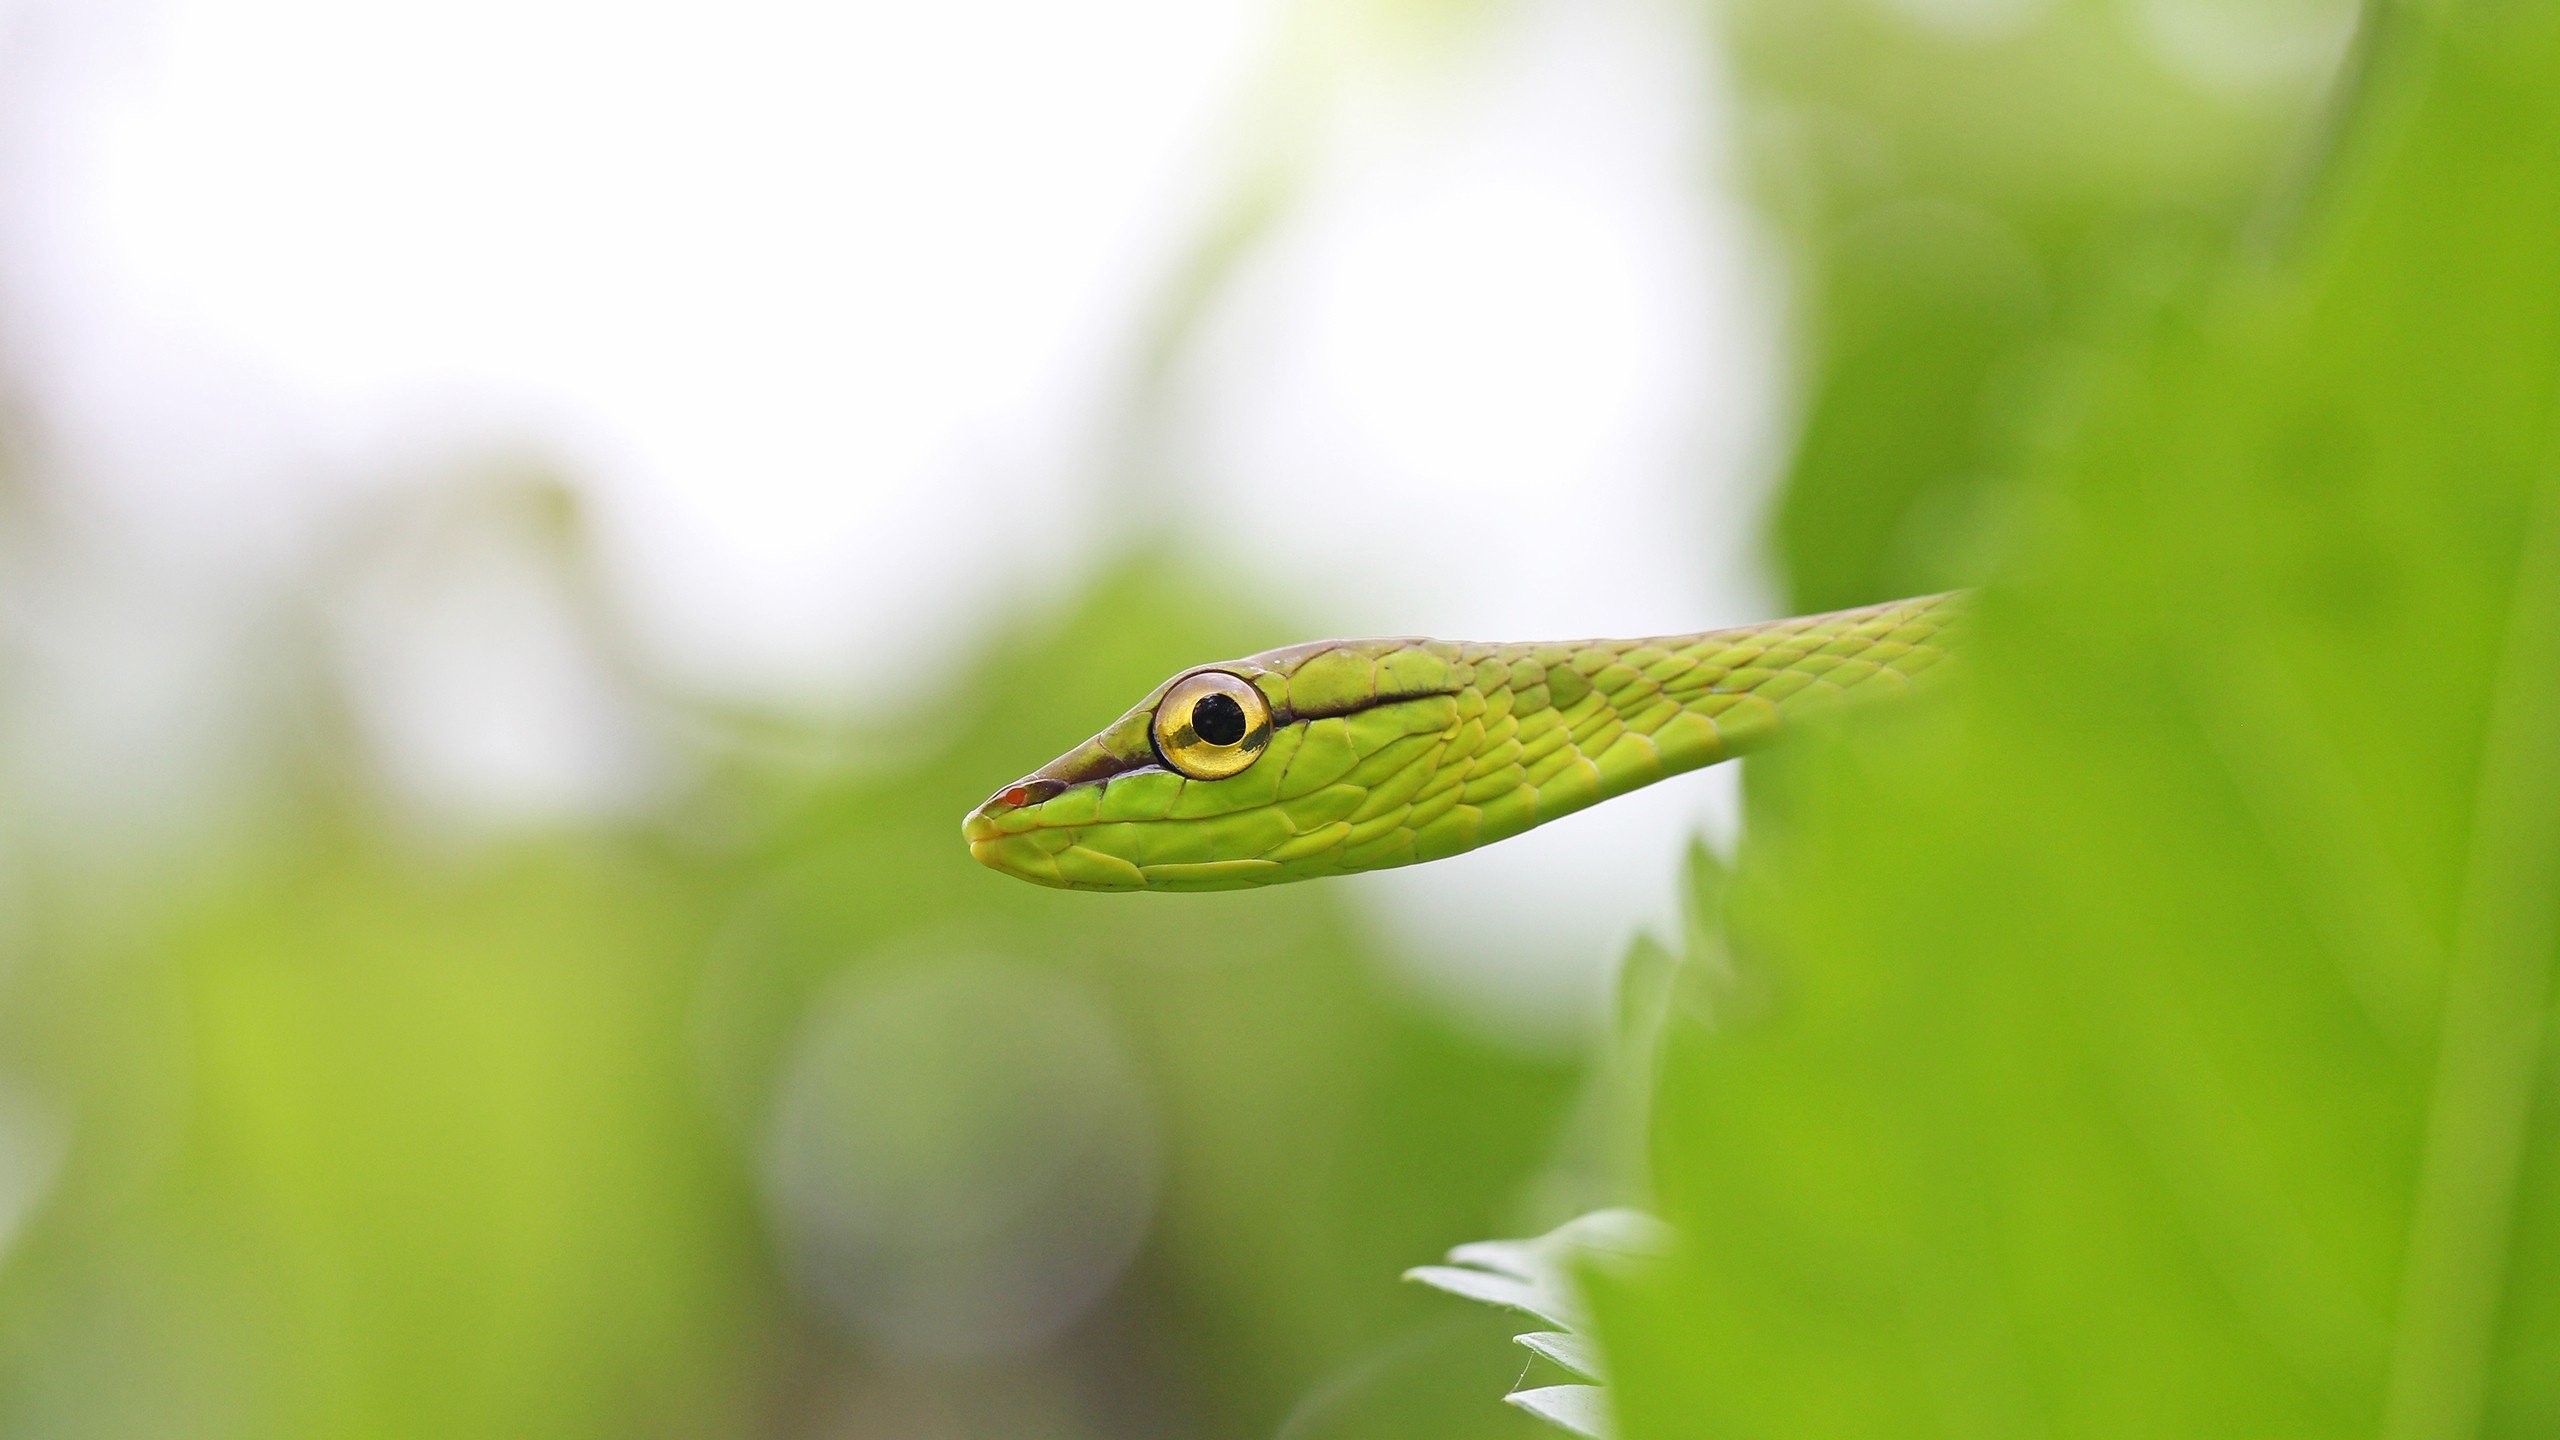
(1360, 754)
(1242, 773)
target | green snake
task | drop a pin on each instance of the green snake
(1347, 755)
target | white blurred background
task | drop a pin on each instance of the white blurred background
(854, 325)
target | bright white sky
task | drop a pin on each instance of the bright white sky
(823, 304)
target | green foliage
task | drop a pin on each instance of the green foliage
(663, 1126)
(1964, 189)
(370, 1148)
(2153, 1038)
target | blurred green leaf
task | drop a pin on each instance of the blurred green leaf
(2153, 1038)
(414, 1156)
(1965, 187)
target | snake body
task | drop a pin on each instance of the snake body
(1352, 755)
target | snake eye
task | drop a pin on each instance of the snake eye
(1212, 725)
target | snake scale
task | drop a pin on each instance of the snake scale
(1348, 755)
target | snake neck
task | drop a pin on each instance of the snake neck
(1544, 730)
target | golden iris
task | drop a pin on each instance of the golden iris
(1212, 724)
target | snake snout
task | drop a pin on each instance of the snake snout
(999, 831)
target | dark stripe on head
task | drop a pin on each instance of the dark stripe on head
(1127, 746)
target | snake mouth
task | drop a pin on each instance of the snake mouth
(1017, 855)
(1051, 856)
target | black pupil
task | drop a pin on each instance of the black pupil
(1218, 719)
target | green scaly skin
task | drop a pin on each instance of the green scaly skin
(1391, 752)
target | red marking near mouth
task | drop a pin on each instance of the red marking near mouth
(1015, 798)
